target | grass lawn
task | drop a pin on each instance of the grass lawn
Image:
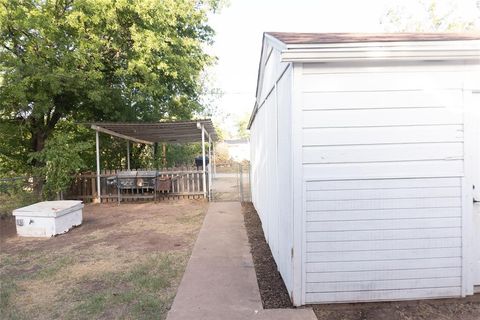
(124, 262)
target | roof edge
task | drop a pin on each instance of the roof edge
(441, 51)
(310, 38)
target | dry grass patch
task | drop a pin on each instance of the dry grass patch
(124, 262)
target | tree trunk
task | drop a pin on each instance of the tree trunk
(38, 140)
(41, 128)
(37, 144)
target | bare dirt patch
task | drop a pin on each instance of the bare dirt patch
(274, 293)
(444, 309)
(126, 225)
(149, 242)
(123, 262)
(7, 227)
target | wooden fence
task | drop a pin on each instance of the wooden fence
(186, 183)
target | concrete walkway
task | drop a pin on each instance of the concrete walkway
(220, 282)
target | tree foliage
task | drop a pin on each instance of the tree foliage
(14, 149)
(242, 124)
(62, 158)
(182, 154)
(71, 61)
(432, 16)
(99, 60)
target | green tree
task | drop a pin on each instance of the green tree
(99, 60)
(62, 158)
(14, 148)
(182, 154)
(242, 125)
(432, 16)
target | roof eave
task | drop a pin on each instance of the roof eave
(119, 135)
(252, 115)
(400, 51)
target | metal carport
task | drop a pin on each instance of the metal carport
(163, 132)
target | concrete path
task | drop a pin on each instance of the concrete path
(220, 282)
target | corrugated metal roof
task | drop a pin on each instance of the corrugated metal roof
(170, 132)
(320, 38)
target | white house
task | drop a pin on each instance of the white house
(363, 154)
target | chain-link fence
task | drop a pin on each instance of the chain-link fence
(232, 184)
(244, 182)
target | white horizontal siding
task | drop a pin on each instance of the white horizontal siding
(380, 154)
(381, 244)
(382, 124)
(383, 285)
(383, 153)
(387, 193)
(384, 255)
(387, 235)
(380, 204)
(394, 264)
(390, 224)
(384, 274)
(370, 184)
(401, 169)
(382, 135)
(382, 295)
(380, 118)
(382, 81)
(386, 214)
(382, 158)
(380, 99)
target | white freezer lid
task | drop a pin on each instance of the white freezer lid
(49, 208)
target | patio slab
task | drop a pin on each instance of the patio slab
(220, 281)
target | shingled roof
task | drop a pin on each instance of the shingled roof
(320, 38)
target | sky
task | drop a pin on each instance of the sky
(239, 28)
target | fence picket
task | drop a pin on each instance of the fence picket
(186, 183)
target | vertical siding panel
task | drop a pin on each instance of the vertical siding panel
(284, 176)
(298, 190)
(271, 163)
(469, 181)
(474, 110)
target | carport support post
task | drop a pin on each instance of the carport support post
(214, 160)
(204, 182)
(128, 155)
(209, 168)
(97, 145)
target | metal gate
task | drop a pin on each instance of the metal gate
(233, 185)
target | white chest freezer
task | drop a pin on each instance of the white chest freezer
(48, 218)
